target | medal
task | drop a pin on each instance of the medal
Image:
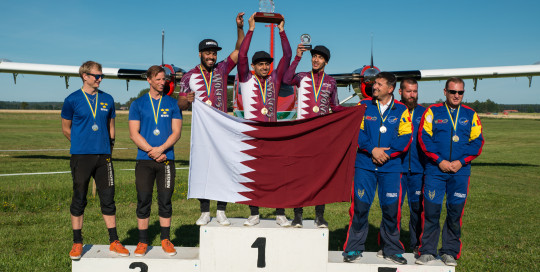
(382, 129)
(208, 85)
(315, 109)
(264, 111)
(94, 110)
(208, 102)
(156, 113)
(316, 91)
(455, 138)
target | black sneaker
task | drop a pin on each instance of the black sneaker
(396, 258)
(351, 256)
(320, 222)
(297, 221)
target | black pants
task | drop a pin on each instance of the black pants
(205, 205)
(319, 210)
(146, 172)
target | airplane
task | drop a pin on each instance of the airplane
(362, 77)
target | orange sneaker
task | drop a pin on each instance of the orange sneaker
(76, 251)
(168, 247)
(141, 249)
(119, 249)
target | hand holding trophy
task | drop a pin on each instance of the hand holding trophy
(266, 13)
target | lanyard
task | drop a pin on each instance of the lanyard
(207, 83)
(156, 114)
(263, 93)
(387, 110)
(94, 111)
(454, 123)
(316, 90)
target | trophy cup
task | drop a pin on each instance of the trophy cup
(266, 13)
(305, 39)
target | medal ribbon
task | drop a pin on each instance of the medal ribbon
(316, 90)
(263, 93)
(454, 124)
(94, 111)
(156, 114)
(387, 110)
(207, 83)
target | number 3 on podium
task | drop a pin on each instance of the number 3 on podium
(260, 244)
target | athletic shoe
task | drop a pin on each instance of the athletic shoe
(425, 258)
(282, 221)
(204, 219)
(141, 249)
(119, 249)
(168, 247)
(320, 222)
(252, 221)
(297, 221)
(396, 258)
(76, 251)
(448, 260)
(222, 218)
(415, 251)
(350, 256)
(380, 254)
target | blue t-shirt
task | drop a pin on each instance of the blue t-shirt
(141, 110)
(84, 139)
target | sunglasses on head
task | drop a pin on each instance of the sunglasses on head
(96, 76)
(456, 92)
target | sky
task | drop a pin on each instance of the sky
(408, 35)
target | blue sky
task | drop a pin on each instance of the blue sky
(408, 35)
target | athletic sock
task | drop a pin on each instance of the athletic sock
(165, 233)
(77, 236)
(112, 234)
(143, 236)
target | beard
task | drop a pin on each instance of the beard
(203, 62)
(411, 103)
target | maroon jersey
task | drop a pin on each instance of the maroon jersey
(255, 107)
(194, 81)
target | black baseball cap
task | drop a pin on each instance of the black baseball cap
(208, 44)
(321, 50)
(261, 56)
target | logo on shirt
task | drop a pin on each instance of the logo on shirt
(441, 121)
(460, 195)
(164, 112)
(417, 120)
(392, 119)
(103, 106)
(463, 121)
(431, 194)
(391, 194)
(361, 193)
(371, 118)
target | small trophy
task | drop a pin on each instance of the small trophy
(266, 13)
(305, 40)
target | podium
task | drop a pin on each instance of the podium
(266, 247)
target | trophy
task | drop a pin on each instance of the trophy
(305, 40)
(266, 13)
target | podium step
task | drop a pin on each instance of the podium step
(99, 258)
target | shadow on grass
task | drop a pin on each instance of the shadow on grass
(186, 236)
(338, 237)
(480, 164)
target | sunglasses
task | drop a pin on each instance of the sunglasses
(96, 76)
(456, 92)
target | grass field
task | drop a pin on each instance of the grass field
(499, 225)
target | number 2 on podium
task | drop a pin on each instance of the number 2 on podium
(260, 244)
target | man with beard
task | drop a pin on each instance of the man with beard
(208, 82)
(385, 134)
(317, 95)
(451, 137)
(260, 92)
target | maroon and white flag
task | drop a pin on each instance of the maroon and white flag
(279, 164)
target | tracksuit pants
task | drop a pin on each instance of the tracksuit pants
(365, 183)
(456, 189)
(411, 184)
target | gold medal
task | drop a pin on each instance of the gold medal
(208, 102)
(455, 138)
(315, 109)
(264, 111)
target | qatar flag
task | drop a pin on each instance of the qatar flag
(276, 165)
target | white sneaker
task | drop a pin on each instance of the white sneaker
(252, 221)
(222, 218)
(282, 221)
(204, 219)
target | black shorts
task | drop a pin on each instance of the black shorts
(163, 173)
(100, 167)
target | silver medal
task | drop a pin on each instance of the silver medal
(95, 127)
(382, 129)
(156, 132)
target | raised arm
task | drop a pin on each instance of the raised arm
(243, 65)
(287, 52)
(240, 36)
(290, 78)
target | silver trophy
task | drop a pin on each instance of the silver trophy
(305, 40)
(266, 6)
(266, 13)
